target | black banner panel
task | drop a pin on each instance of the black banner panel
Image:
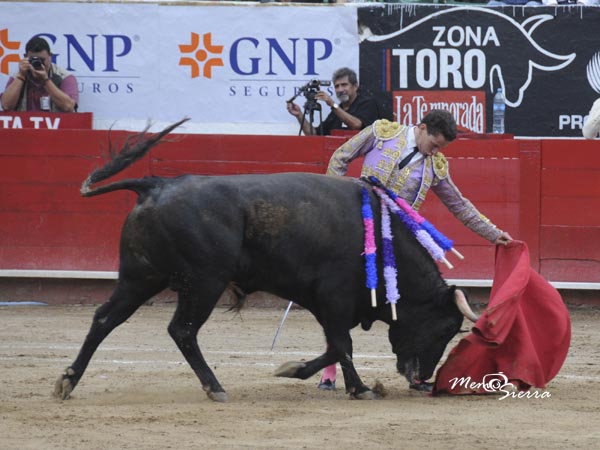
(415, 58)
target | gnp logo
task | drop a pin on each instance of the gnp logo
(92, 53)
(81, 55)
(9, 52)
(201, 55)
(248, 56)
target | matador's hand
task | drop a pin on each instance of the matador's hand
(503, 239)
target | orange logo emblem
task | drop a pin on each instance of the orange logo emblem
(201, 55)
(5, 44)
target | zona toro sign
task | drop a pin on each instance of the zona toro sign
(417, 58)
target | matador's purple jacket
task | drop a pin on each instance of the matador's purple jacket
(382, 145)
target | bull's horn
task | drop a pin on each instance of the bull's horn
(463, 306)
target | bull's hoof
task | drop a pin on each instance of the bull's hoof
(365, 395)
(64, 386)
(216, 396)
(289, 369)
(220, 397)
(422, 386)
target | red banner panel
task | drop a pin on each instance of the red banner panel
(468, 107)
(40, 120)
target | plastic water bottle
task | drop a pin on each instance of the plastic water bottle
(499, 108)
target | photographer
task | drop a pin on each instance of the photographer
(40, 85)
(354, 112)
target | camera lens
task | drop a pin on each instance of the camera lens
(36, 63)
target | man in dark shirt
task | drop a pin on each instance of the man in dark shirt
(354, 112)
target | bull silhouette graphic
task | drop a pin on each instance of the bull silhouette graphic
(511, 53)
(593, 72)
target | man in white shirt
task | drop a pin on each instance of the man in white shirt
(591, 128)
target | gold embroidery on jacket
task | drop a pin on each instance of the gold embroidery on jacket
(440, 165)
(485, 219)
(386, 130)
(426, 180)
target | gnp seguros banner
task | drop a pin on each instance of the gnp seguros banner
(164, 62)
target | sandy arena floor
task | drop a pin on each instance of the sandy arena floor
(138, 392)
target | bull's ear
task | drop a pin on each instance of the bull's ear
(453, 288)
(366, 324)
(464, 291)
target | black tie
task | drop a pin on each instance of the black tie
(407, 158)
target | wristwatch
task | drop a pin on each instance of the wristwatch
(335, 106)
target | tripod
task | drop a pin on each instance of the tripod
(309, 109)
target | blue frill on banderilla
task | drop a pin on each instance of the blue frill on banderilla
(428, 236)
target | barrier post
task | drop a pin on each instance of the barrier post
(530, 198)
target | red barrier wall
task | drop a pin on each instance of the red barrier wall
(544, 192)
(570, 210)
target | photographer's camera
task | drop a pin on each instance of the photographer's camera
(36, 62)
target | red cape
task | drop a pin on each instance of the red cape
(522, 337)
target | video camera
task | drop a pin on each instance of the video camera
(36, 62)
(310, 89)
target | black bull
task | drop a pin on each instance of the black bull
(296, 235)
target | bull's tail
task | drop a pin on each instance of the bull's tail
(135, 147)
